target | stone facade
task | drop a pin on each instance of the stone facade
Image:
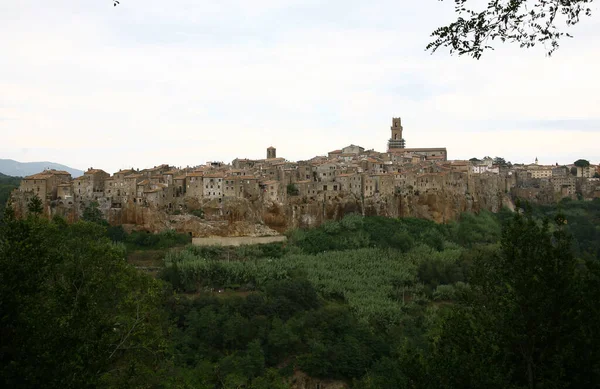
(401, 182)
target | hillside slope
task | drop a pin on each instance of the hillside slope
(7, 184)
(14, 168)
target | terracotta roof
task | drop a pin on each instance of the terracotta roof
(215, 175)
(38, 176)
(144, 182)
(197, 174)
(153, 190)
(133, 176)
(179, 178)
(94, 171)
(59, 172)
(270, 182)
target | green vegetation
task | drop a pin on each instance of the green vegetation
(142, 240)
(492, 300)
(582, 222)
(198, 212)
(74, 314)
(292, 190)
(92, 213)
(7, 185)
(35, 206)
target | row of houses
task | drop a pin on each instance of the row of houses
(349, 172)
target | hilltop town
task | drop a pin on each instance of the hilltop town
(258, 197)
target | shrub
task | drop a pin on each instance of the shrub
(444, 292)
(198, 212)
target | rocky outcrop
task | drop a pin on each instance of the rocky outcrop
(433, 199)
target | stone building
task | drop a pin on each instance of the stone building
(194, 185)
(45, 184)
(396, 141)
(273, 190)
(213, 185)
(352, 150)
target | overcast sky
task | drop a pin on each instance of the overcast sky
(183, 82)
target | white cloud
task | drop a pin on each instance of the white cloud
(183, 82)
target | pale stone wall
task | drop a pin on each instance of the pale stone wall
(236, 240)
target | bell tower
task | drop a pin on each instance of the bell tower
(396, 141)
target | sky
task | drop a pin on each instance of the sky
(184, 82)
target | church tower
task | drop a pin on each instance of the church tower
(396, 141)
(271, 152)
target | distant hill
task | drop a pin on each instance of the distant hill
(22, 169)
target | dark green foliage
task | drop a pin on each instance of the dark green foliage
(477, 229)
(573, 171)
(378, 303)
(499, 161)
(7, 185)
(35, 206)
(74, 314)
(292, 190)
(116, 233)
(92, 213)
(141, 240)
(521, 323)
(583, 223)
(354, 232)
(582, 163)
(435, 271)
(198, 212)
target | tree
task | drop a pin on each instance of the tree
(520, 325)
(582, 163)
(92, 213)
(35, 206)
(499, 161)
(526, 22)
(74, 313)
(292, 190)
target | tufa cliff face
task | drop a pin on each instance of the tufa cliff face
(440, 205)
(433, 197)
